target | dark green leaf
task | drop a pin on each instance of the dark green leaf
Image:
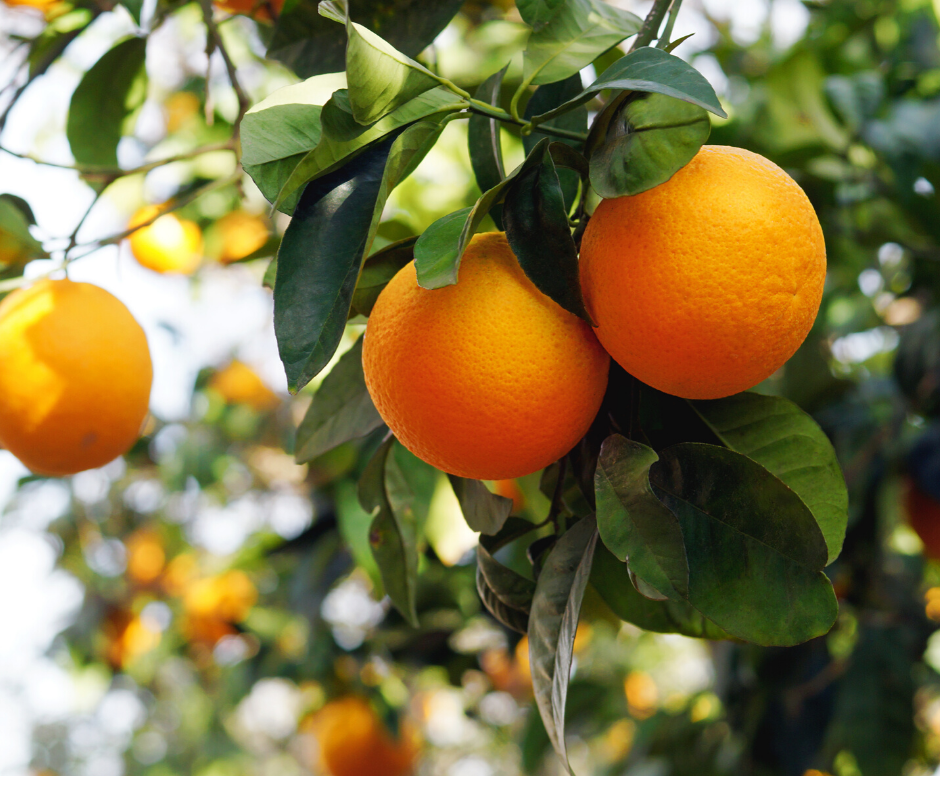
(270, 274)
(483, 140)
(393, 535)
(378, 270)
(342, 138)
(578, 32)
(134, 7)
(754, 550)
(439, 249)
(646, 70)
(17, 245)
(648, 140)
(545, 99)
(787, 442)
(484, 512)
(514, 528)
(341, 409)
(310, 44)
(108, 93)
(56, 36)
(538, 232)
(538, 13)
(510, 617)
(634, 524)
(553, 621)
(611, 579)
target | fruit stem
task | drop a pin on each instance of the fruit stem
(482, 108)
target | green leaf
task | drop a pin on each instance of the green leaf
(646, 70)
(537, 230)
(56, 36)
(134, 7)
(393, 534)
(439, 249)
(505, 593)
(270, 274)
(484, 512)
(277, 132)
(611, 579)
(108, 93)
(310, 44)
(323, 248)
(341, 409)
(378, 270)
(538, 13)
(546, 98)
(648, 140)
(754, 550)
(553, 621)
(17, 245)
(579, 31)
(342, 138)
(633, 523)
(483, 140)
(508, 616)
(774, 432)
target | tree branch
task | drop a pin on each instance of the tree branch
(650, 29)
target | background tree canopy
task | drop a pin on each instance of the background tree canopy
(207, 605)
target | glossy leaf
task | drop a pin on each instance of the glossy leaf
(341, 409)
(646, 70)
(108, 93)
(611, 579)
(393, 534)
(545, 99)
(483, 140)
(311, 44)
(754, 550)
(650, 139)
(378, 270)
(508, 616)
(553, 621)
(579, 31)
(342, 138)
(774, 432)
(441, 246)
(484, 511)
(17, 245)
(633, 523)
(537, 230)
(538, 13)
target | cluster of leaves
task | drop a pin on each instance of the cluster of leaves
(713, 519)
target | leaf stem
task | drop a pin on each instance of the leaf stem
(670, 23)
(482, 108)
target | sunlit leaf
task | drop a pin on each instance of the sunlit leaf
(538, 13)
(17, 245)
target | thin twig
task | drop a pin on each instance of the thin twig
(650, 29)
(670, 23)
(213, 36)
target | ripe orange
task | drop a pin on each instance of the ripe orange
(127, 636)
(180, 109)
(509, 488)
(239, 234)
(145, 556)
(708, 283)
(353, 741)
(488, 378)
(212, 604)
(169, 245)
(923, 511)
(240, 384)
(42, 5)
(75, 377)
(257, 9)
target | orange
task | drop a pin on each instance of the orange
(169, 245)
(240, 234)
(258, 9)
(42, 5)
(180, 108)
(128, 636)
(75, 377)
(509, 488)
(353, 741)
(708, 283)
(145, 556)
(924, 514)
(488, 378)
(240, 384)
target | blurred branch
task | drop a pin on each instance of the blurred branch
(213, 42)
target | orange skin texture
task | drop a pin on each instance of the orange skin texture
(75, 377)
(924, 514)
(708, 283)
(488, 378)
(169, 245)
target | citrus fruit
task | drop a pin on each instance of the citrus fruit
(353, 741)
(509, 488)
(169, 245)
(180, 109)
(239, 234)
(923, 511)
(488, 378)
(257, 9)
(240, 384)
(75, 377)
(705, 285)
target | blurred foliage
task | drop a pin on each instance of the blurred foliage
(230, 594)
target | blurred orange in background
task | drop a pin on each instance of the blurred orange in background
(240, 384)
(237, 235)
(168, 245)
